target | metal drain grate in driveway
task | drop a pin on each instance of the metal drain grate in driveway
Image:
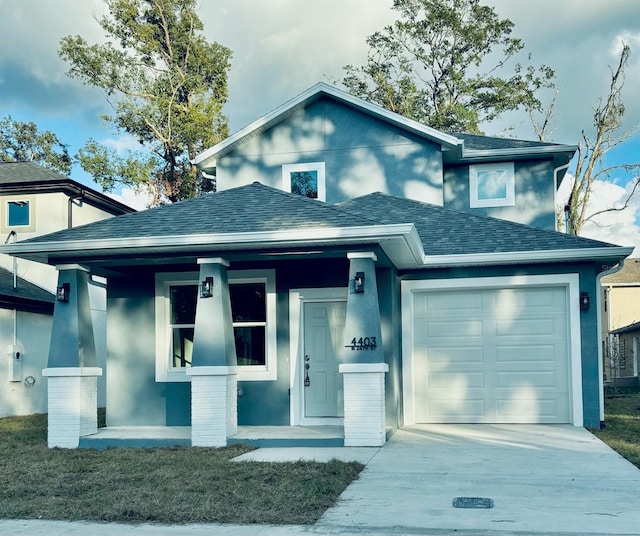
(472, 502)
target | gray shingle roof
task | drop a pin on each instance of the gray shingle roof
(630, 274)
(246, 209)
(255, 208)
(23, 293)
(475, 142)
(24, 177)
(447, 232)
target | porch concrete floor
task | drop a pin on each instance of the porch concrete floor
(258, 436)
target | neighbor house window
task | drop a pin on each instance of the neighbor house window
(307, 180)
(18, 214)
(252, 296)
(492, 185)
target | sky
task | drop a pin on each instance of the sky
(283, 47)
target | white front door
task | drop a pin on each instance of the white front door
(323, 336)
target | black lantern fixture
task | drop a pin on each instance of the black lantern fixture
(62, 292)
(585, 301)
(358, 283)
(206, 287)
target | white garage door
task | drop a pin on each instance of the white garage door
(491, 355)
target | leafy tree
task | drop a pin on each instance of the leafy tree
(436, 64)
(166, 85)
(591, 164)
(21, 142)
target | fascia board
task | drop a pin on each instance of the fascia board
(296, 237)
(206, 159)
(562, 255)
(516, 152)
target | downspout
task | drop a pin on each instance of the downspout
(555, 192)
(212, 178)
(70, 208)
(14, 237)
(599, 277)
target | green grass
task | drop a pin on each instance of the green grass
(622, 424)
(161, 485)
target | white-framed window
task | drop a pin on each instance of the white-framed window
(253, 306)
(492, 185)
(306, 179)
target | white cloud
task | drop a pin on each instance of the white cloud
(616, 227)
(123, 144)
(133, 197)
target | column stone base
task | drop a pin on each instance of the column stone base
(214, 405)
(72, 404)
(364, 404)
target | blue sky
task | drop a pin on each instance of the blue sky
(282, 47)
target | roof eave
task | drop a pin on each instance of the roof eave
(519, 153)
(616, 253)
(400, 242)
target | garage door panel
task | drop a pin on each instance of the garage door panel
(492, 355)
(540, 354)
(461, 328)
(443, 380)
(525, 380)
(454, 358)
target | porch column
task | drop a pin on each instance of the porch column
(214, 403)
(363, 366)
(72, 369)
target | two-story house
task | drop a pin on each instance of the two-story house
(35, 201)
(355, 271)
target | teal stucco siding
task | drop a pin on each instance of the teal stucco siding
(534, 194)
(361, 155)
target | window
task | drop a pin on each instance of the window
(307, 180)
(18, 213)
(492, 185)
(253, 318)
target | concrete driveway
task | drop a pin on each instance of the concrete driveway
(539, 478)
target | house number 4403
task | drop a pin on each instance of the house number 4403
(362, 343)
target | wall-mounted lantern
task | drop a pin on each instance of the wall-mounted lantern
(206, 287)
(62, 292)
(585, 301)
(358, 283)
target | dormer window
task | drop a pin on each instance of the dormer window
(305, 179)
(492, 185)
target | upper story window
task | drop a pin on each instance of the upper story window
(492, 185)
(305, 179)
(18, 214)
(253, 318)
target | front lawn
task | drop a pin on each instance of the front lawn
(622, 425)
(161, 485)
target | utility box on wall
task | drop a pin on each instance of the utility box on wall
(15, 363)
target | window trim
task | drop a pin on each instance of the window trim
(319, 167)
(29, 227)
(507, 201)
(165, 372)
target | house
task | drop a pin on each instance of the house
(35, 201)
(620, 318)
(332, 304)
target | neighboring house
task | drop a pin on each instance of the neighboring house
(620, 313)
(35, 201)
(256, 306)
(621, 361)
